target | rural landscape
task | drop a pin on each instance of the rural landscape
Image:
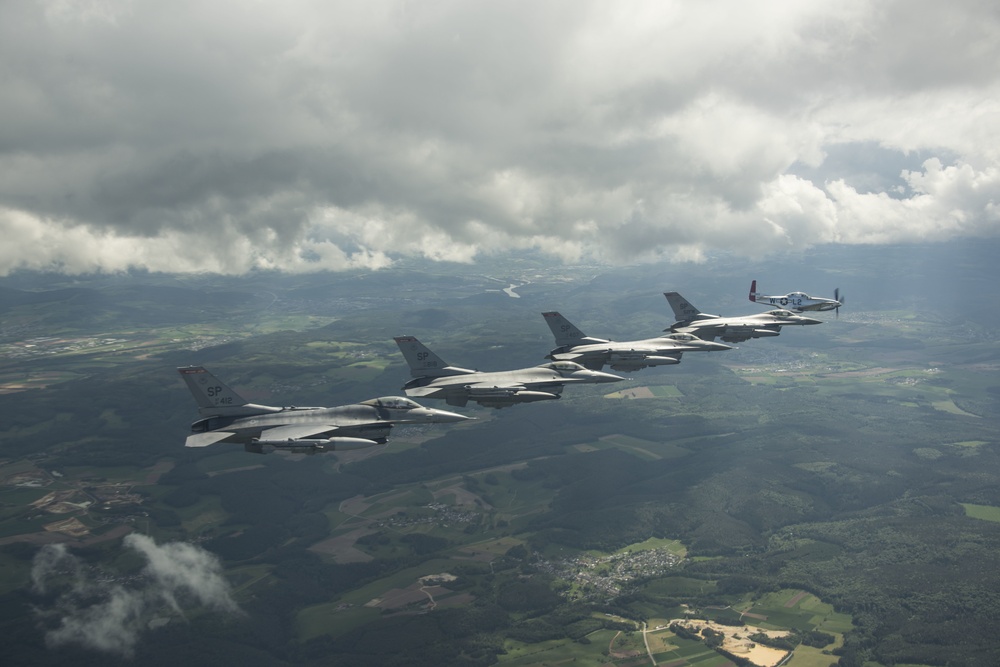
(830, 496)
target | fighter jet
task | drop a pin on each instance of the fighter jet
(594, 353)
(730, 329)
(797, 301)
(435, 378)
(226, 417)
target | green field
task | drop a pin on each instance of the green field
(679, 586)
(691, 652)
(205, 516)
(673, 546)
(558, 652)
(332, 618)
(984, 512)
(798, 610)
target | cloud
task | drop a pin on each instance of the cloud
(947, 201)
(313, 136)
(95, 610)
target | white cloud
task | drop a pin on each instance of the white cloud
(947, 201)
(323, 136)
(93, 610)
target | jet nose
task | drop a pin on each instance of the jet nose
(809, 320)
(712, 345)
(442, 416)
(601, 376)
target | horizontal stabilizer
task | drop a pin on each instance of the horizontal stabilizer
(432, 392)
(568, 356)
(206, 439)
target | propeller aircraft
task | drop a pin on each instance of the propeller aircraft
(797, 301)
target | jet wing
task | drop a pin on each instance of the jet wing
(206, 439)
(296, 431)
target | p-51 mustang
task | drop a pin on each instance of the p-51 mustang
(797, 301)
(594, 353)
(730, 329)
(435, 378)
(227, 417)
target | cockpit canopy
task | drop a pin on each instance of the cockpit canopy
(564, 366)
(685, 337)
(786, 314)
(392, 403)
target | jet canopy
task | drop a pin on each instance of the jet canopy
(564, 366)
(393, 403)
(685, 337)
(786, 314)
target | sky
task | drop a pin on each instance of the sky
(324, 136)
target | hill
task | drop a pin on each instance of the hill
(850, 468)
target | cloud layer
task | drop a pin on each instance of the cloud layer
(108, 613)
(322, 136)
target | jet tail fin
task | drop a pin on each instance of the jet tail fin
(208, 390)
(423, 362)
(565, 332)
(214, 397)
(753, 291)
(683, 309)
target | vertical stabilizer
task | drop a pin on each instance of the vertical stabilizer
(564, 331)
(423, 362)
(208, 390)
(215, 398)
(753, 291)
(683, 310)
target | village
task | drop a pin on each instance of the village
(608, 576)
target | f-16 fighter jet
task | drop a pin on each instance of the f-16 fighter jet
(797, 301)
(594, 353)
(227, 417)
(730, 329)
(435, 378)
